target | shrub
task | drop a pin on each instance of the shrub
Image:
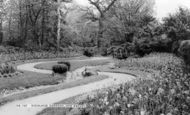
(6, 68)
(60, 69)
(2, 49)
(104, 51)
(161, 44)
(68, 64)
(110, 50)
(148, 45)
(88, 52)
(143, 46)
(177, 25)
(184, 51)
(119, 52)
(5, 75)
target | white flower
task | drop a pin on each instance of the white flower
(128, 105)
(140, 96)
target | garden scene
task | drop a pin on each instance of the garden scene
(94, 57)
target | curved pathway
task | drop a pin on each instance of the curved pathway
(51, 98)
(30, 66)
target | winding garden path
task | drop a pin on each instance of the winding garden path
(51, 98)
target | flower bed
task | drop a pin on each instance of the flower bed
(4, 57)
(7, 71)
(166, 94)
(151, 62)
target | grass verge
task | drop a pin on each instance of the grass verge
(28, 80)
(32, 79)
(62, 86)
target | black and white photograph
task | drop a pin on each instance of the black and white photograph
(94, 57)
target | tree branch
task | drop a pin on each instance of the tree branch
(110, 5)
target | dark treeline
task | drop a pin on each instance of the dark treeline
(119, 27)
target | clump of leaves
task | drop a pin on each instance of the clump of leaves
(88, 52)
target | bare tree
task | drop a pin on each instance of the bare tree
(102, 6)
(58, 24)
(129, 18)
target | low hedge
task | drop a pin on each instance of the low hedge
(60, 69)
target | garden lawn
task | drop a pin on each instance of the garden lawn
(32, 79)
(28, 80)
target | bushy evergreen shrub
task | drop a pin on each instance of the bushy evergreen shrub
(60, 69)
(68, 64)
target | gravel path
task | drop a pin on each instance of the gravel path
(30, 66)
(50, 98)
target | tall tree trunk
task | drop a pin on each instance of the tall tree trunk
(43, 22)
(1, 30)
(20, 25)
(9, 29)
(99, 7)
(26, 23)
(1, 21)
(58, 25)
(100, 32)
